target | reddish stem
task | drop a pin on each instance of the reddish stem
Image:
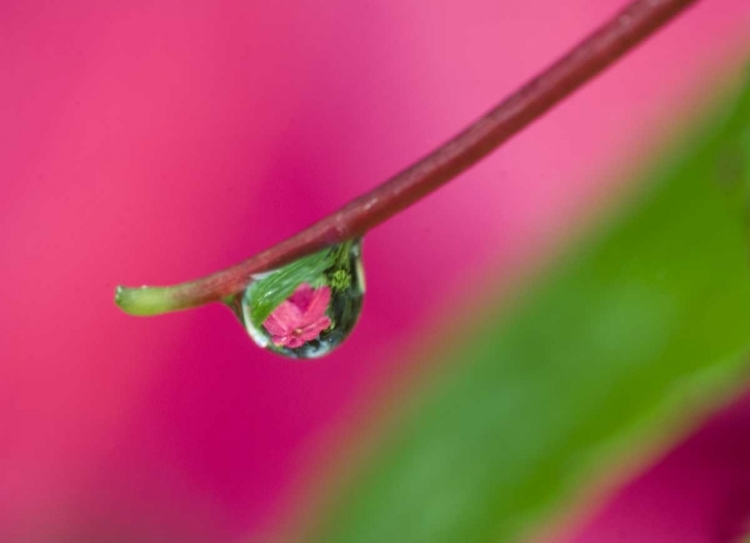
(601, 49)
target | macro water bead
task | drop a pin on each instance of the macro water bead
(307, 308)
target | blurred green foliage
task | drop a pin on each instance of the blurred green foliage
(640, 328)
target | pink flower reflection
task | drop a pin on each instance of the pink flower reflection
(299, 318)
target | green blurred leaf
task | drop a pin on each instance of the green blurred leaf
(642, 327)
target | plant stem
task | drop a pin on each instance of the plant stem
(601, 49)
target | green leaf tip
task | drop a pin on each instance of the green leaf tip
(144, 301)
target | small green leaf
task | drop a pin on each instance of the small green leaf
(642, 327)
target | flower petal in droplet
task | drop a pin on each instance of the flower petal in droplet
(300, 318)
(278, 321)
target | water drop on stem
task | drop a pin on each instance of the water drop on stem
(308, 307)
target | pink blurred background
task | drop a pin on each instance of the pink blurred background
(153, 142)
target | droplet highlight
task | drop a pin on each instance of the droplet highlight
(307, 308)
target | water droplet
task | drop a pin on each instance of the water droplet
(307, 308)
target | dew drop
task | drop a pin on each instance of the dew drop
(307, 308)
